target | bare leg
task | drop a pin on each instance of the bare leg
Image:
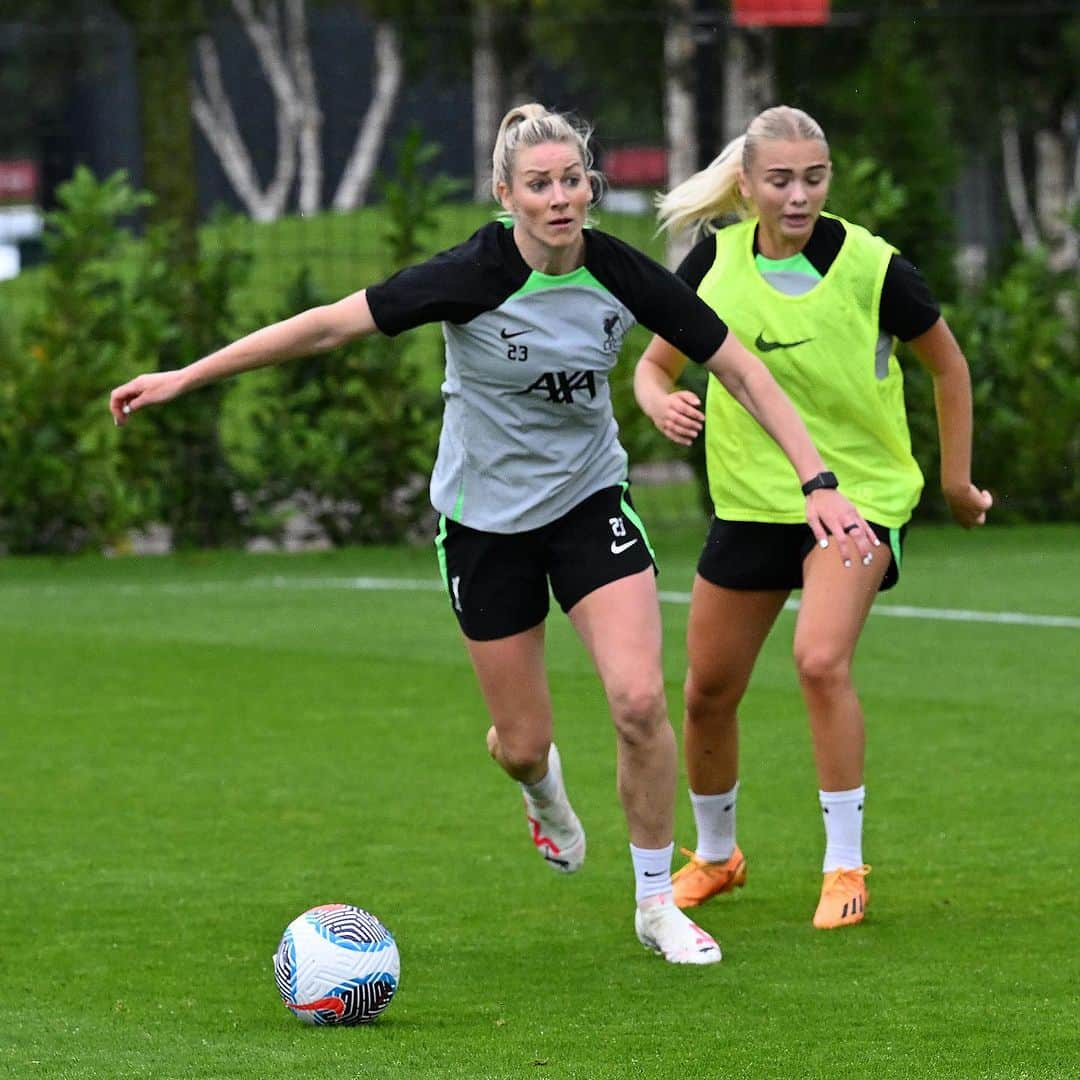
(835, 604)
(514, 683)
(726, 631)
(620, 626)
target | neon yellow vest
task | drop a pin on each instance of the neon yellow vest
(820, 347)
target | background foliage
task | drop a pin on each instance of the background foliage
(346, 442)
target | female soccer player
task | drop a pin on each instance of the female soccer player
(822, 302)
(530, 478)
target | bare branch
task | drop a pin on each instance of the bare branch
(1015, 186)
(214, 115)
(353, 187)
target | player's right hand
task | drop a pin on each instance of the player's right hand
(153, 388)
(969, 505)
(679, 417)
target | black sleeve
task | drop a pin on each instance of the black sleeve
(908, 308)
(660, 301)
(456, 285)
(698, 261)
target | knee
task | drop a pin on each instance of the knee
(639, 710)
(518, 754)
(712, 700)
(822, 669)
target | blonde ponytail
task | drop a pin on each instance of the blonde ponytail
(696, 203)
(707, 195)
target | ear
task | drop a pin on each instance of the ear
(744, 185)
(504, 196)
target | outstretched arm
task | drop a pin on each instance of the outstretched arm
(316, 330)
(939, 353)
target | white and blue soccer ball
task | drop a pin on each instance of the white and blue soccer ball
(337, 964)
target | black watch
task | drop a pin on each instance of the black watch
(822, 480)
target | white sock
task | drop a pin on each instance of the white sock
(715, 819)
(548, 788)
(842, 812)
(652, 871)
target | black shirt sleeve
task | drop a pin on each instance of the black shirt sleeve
(456, 285)
(908, 308)
(698, 261)
(659, 300)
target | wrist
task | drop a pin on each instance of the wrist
(823, 480)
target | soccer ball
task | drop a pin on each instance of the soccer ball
(336, 964)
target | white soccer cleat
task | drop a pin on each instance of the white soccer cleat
(555, 828)
(662, 927)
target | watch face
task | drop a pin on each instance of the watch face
(822, 480)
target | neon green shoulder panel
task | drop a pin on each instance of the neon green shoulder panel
(820, 346)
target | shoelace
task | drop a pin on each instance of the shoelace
(834, 879)
(697, 863)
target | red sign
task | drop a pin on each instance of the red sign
(18, 181)
(780, 12)
(635, 166)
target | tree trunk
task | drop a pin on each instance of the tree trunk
(680, 109)
(163, 33)
(487, 95)
(310, 118)
(749, 79)
(199, 506)
(1055, 199)
(1015, 185)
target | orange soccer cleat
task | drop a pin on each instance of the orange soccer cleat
(844, 897)
(700, 880)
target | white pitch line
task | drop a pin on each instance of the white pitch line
(901, 611)
(281, 581)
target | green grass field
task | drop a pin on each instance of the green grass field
(198, 748)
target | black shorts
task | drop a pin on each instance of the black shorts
(762, 555)
(498, 583)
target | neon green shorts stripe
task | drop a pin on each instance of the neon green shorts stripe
(632, 514)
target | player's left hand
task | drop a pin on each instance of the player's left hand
(830, 515)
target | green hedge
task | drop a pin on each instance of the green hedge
(350, 437)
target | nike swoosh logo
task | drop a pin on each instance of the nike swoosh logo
(618, 549)
(650, 873)
(506, 335)
(768, 346)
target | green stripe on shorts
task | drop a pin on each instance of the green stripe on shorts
(631, 513)
(894, 543)
(440, 549)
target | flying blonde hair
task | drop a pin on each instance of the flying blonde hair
(698, 201)
(531, 125)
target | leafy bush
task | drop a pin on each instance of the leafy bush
(196, 489)
(865, 192)
(60, 458)
(109, 304)
(1020, 338)
(346, 438)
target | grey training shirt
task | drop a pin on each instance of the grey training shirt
(528, 430)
